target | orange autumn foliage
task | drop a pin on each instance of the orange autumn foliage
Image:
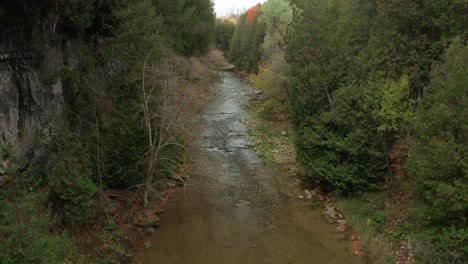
(252, 13)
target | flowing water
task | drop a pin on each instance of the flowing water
(236, 209)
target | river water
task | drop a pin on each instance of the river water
(236, 209)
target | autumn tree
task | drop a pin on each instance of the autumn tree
(245, 49)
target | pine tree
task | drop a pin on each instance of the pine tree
(437, 157)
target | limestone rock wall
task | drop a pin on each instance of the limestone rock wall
(28, 91)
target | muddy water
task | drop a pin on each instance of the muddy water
(235, 209)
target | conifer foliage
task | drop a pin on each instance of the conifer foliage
(245, 49)
(361, 88)
(377, 93)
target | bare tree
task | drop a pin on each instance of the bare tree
(163, 101)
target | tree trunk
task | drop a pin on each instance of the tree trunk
(149, 179)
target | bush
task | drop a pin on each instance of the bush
(27, 233)
(69, 175)
(336, 146)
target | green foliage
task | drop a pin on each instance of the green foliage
(397, 107)
(343, 82)
(245, 51)
(367, 216)
(335, 116)
(437, 156)
(108, 105)
(276, 15)
(441, 245)
(27, 233)
(69, 175)
(124, 147)
(77, 15)
(190, 24)
(335, 145)
(224, 29)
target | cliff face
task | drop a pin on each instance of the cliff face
(30, 86)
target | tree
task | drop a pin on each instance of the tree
(337, 45)
(190, 24)
(437, 157)
(163, 99)
(276, 15)
(224, 30)
(333, 111)
(245, 50)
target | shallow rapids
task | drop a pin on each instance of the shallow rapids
(236, 209)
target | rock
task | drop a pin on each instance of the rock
(151, 230)
(171, 184)
(300, 197)
(341, 228)
(147, 244)
(229, 67)
(258, 92)
(242, 203)
(341, 222)
(283, 133)
(307, 194)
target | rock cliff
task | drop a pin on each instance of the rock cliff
(30, 85)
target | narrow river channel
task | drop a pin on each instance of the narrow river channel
(236, 209)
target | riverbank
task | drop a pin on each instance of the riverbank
(273, 139)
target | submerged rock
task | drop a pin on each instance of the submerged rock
(147, 244)
(242, 203)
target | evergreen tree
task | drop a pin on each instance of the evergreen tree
(339, 45)
(189, 23)
(437, 158)
(224, 31)
(245, 51)
(334, 113)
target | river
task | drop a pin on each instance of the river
(235, 208)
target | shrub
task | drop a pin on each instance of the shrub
(69, 175)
